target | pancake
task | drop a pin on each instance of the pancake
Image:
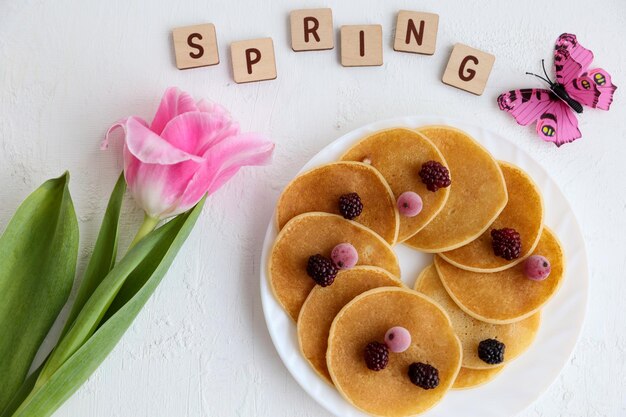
(389, 392)
(312, 233)
(477, 194)
(323, 304)
(506, 296)
(517, 337)
(399, 154)
(472, 378)
(523, 212)
(320, 188)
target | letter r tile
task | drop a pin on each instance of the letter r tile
(195, 46)
(253, 60)
(468, 69)
(312, 29)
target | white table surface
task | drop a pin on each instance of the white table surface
(68, 69)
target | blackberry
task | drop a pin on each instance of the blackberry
(491, 351)
(506, 243)
(435, 175)
(424, 375)
(321, 269)
(376, 356)
(350, 206)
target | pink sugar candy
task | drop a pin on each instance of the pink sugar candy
(537, 268)
(398, 339)
(410, 204)
(344, 256)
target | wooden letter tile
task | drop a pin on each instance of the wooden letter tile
(468, 69)
(195, 46)
(361, 45)
(253, 60)
(416, 32)
(312, 29)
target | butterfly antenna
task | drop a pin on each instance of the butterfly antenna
(543, 65)
(539, 76)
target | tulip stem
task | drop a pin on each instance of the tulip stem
(148, 225)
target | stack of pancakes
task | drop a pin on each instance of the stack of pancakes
(466, 295)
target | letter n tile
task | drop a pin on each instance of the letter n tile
(416, 32)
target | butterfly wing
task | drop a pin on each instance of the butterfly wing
(571, 59)
(592, 88)
(525, 105)
(584, 90)
(556, 122)
(602, 81)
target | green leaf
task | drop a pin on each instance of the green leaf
(22, 393)
(95, 308)
(151, 258)
(38, 252)
(104, 252)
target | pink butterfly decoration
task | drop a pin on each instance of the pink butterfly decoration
(575, 86)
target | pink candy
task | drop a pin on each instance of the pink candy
(398, 339)
(344, 256)
(537, 268)
(410, 204)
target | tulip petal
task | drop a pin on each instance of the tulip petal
(207, 106)
(223, 161)
(194, 132)
(158, 188)
(120, 123)
(249, 149)
(189, 150)
(147, 146)
(173, 103)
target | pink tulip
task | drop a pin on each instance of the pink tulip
(190, 149)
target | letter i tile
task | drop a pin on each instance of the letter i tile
(361, 45)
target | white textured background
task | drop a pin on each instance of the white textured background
(68, 69)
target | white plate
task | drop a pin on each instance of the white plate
(525, 379)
